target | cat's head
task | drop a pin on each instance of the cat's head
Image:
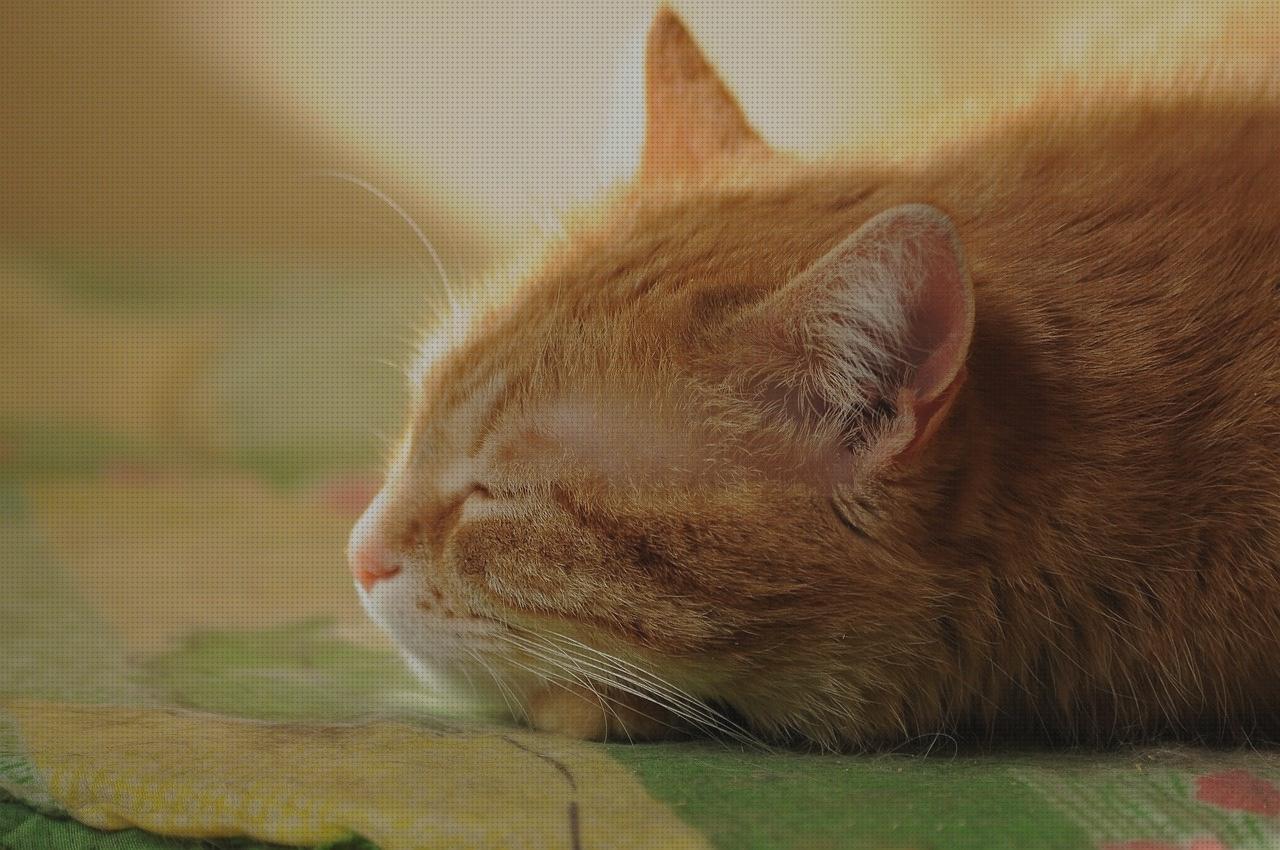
(679, 467)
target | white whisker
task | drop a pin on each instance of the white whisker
(573, 678)
(653, 681)
(675, 697)
(586, 680)
(612, 673)
(422, 237)
(512, 702)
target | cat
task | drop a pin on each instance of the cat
(843, 455)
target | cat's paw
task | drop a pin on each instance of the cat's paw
(598, 715)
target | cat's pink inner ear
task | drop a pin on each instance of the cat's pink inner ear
(940, 312)
(888, 315)
(692, 119)
(941, 315)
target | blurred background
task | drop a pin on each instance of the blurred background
(201, 327)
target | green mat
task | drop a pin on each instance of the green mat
(183, 652)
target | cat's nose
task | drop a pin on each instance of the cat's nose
(371, 562)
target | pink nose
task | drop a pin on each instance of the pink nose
(371, 563)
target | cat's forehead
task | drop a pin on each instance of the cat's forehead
(592, 345)
(673, 243)
(606, 421)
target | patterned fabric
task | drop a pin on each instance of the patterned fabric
(183, 655)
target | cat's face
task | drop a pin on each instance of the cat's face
(652, 477)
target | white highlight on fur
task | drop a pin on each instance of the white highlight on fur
(468, 310)
(449, 333)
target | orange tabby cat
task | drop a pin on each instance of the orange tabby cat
(814, 452)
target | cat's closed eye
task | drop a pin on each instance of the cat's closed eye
(478, 500)
(496, 500)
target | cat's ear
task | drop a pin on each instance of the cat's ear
(692, 121)
(874, 335)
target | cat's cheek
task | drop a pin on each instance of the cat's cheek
(473, 548)
(471, 565)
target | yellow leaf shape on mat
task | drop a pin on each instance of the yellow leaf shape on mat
(182, 773)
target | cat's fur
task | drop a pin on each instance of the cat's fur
(1036, 488)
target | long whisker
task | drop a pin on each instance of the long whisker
(398, 210)
(574, 677)
(680, 703)
(585, 679)
(507, 696)
(613, 658)
(605, 702)
(652, 680)
(694, 712)
(638, 683)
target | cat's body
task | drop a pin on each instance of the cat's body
(699, 460)
(1106, 496)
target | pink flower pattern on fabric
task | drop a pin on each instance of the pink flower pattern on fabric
(1239, 791)
(1231, 790)
(1148, 844)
